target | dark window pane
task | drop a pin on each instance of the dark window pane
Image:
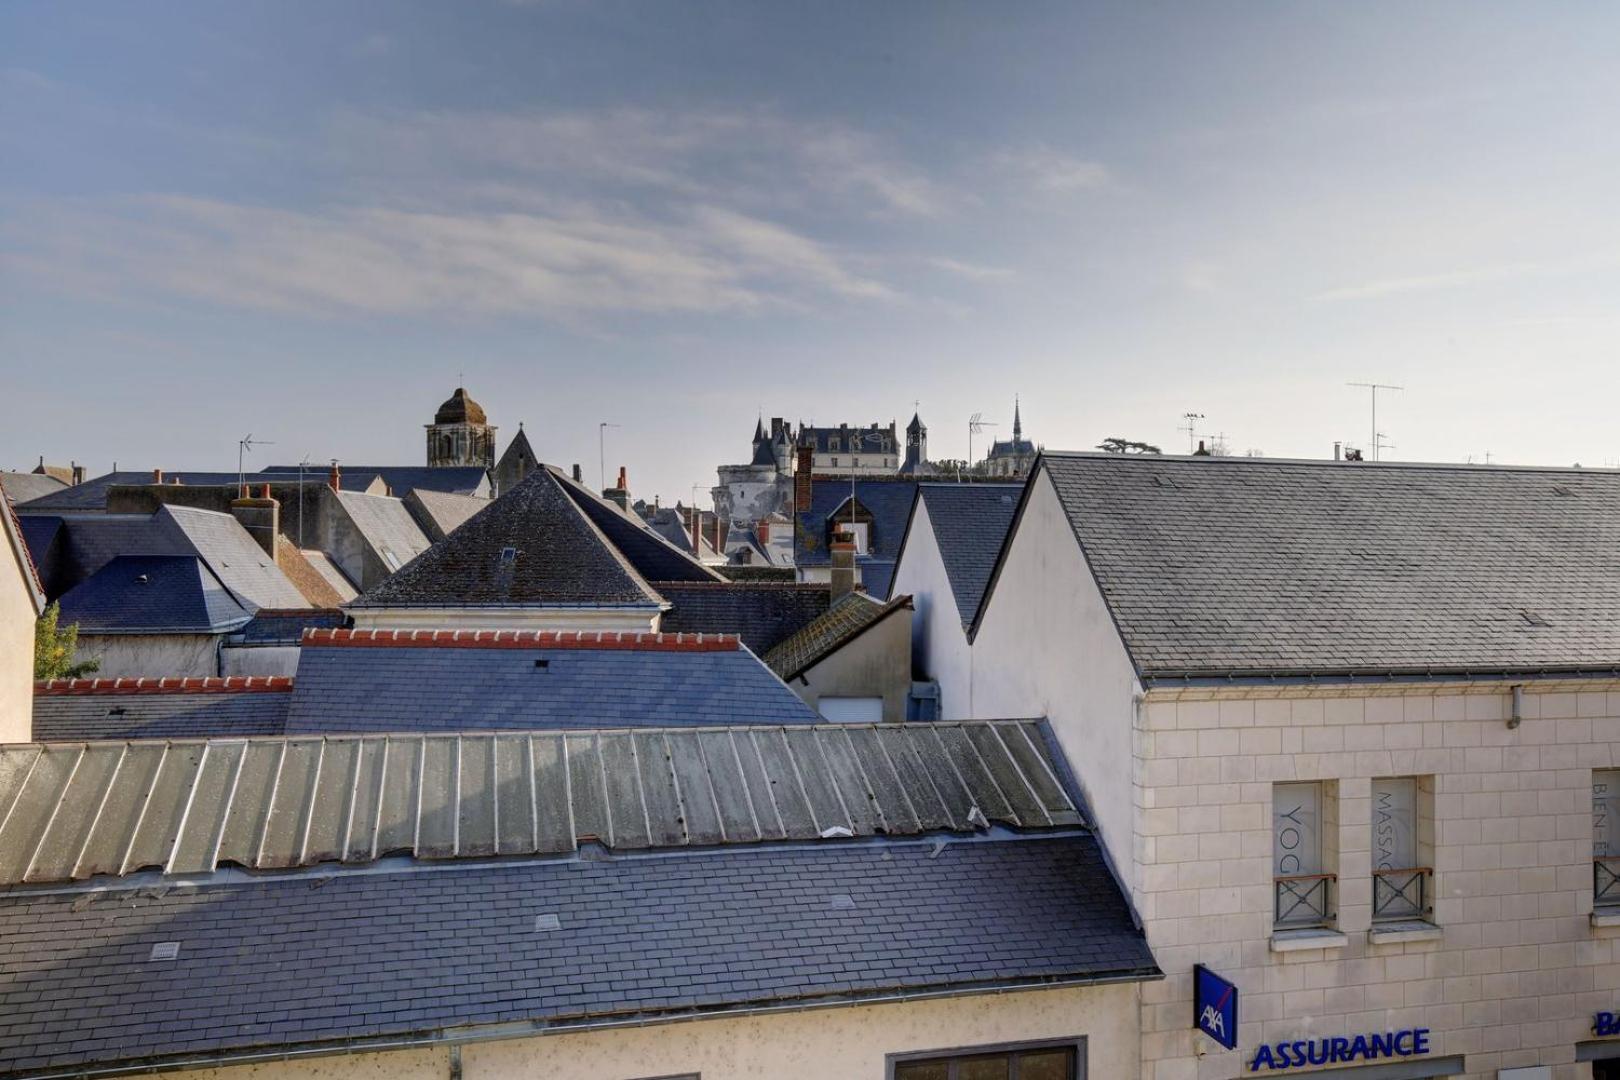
(922, 1070)
(987, 1068)
(1046, 1065)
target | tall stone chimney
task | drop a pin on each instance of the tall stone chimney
(843, 566)
(334, 479)
(260, 516)
(621, 493)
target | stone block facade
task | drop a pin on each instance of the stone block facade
(1518, 968)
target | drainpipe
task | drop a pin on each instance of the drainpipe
(1518, 707)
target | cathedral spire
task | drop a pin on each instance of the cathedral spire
(1018, 423)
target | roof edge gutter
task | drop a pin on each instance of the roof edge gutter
(1203, 680)
(456, 1037)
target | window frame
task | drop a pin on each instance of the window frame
(1077, 1043)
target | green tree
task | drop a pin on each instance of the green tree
(54, 648)
(1116, 445)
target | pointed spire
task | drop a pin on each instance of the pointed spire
(1018, 423)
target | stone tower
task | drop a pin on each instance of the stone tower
(460, 435)
(916, 447)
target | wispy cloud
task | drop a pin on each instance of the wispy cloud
(397, 261)
(1456, 279)
(1052, 170)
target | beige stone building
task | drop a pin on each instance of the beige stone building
(21, 602)
(1351, 733)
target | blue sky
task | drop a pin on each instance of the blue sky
(305, 220)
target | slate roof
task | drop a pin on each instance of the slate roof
(970, 523)
(400, 480)
(386, 525)
(440, 513)
(329, 572)
(286, 626)
(845, 621)
(75, 710)
(888, 501)
(877, 575)
(369, 956)
(155, 594)
(559, 559)
(245, 567)
(763, 614)
(1240, 566)
(872, 437)
(23, 486)
(90, 495)
(386, 680)
(653, 557)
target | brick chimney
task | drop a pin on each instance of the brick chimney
(695, 517)
(157, 476)
(621, 493)
(762, 530)
(334, 478)
(801, 477)
(843, 566)
(260, 516)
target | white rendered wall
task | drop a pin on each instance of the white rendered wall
(939, 645)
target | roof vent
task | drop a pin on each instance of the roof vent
(165, 950)
(1164, 482)
(142, 579)
(841, 902)
(117, 710)
(1532, 619)
(1560, 489)
(547, 923)
(542, 663)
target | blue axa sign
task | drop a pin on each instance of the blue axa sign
(1341, 1049)
(1606, 1023)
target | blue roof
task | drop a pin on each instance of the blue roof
(970, 523)
(347, 958)
(877, 575)
(888, 501)
(75, 716)
(153, 594)
(359, 688)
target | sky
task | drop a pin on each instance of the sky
(310, 221)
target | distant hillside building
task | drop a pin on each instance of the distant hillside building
(853, 451)
(752, 492)
(460, 434)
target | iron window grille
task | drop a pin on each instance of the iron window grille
(1303, 901)
(1606, 881)
(1401, 893)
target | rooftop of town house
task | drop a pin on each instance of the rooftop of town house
(71, 710)
(970, 523)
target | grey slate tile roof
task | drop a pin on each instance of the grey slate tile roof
(441, 513)
(877, 575)
(76, 710)
(400, 480)
(653, 557)
(286, 626)
(763, 613)
(970, 522)
(559, 559)
(153, 594)
(845, 621)
(1235, 566)
(347, 686)
(245, 567)
(887, 500)
(23, 487)
(386, 525)
(274, 962)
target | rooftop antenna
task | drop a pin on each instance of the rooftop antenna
(243, 445)
(1375, 387)
(601, 452)
(976, 424)
(1381, 443)
(303, 464)
(1191, 428)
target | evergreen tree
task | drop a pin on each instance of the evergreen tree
(54, 648)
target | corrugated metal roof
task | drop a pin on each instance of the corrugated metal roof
(70, 811)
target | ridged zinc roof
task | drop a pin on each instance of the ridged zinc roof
(1241, 566)
(70, 811)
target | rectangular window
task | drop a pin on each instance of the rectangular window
(835, 444)
(1302, 844)
(1400, 840)
(1606, 837)
(1052, 1061)
(835, 463)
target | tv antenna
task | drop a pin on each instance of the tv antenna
(976, 424)
(1191, 428)
(1381, 443)
(1374, 388)
(601, 453)
(243, 445)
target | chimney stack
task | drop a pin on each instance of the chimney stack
(157, 476)
(77, 472)
(260, 516)
(762, 530)
(695, 517)
(334, 479)
(1338, 450)
(620, 494)
(843, 566)
(579, 477)
(801, 477)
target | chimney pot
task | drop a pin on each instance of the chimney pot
(157, 476)
(695, 520)
(579, 477)
(334, 479)
(624, 481)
